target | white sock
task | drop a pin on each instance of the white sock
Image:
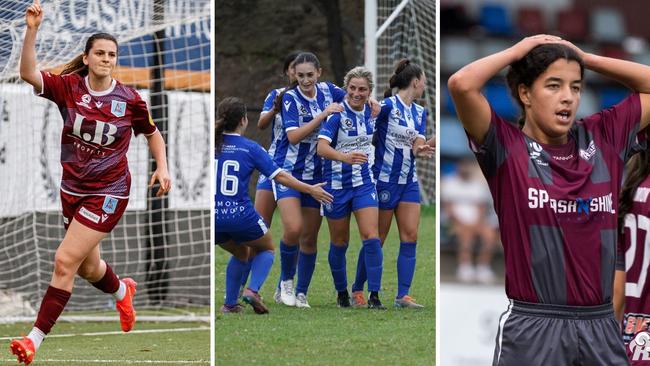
(121, 292)
(37, 336)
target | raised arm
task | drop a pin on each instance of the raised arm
(631, 74)
(465, 85)
(28, 71)
(157, 148)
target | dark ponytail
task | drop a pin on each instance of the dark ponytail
(76, 65)
(637, 170)
(405, 71)
(230, 112)
(302, 58)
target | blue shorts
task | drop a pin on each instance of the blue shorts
(264, 183)
(306, 200)
(391, 194)
(350, 199)
(249, 230)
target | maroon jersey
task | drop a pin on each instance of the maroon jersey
(634, 258)
(96, 133)
(557, 204)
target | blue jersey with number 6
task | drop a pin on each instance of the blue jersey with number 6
(238, 159)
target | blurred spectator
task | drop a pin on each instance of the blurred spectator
(467, 202)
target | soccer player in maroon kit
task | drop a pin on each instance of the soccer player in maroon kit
(555, 184)
(631, 295)
(99, 115)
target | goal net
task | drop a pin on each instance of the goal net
(163, 244)
(397, 29)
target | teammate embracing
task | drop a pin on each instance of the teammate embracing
(99, 116)
(345, 142)
(399, 140)
(238, 227)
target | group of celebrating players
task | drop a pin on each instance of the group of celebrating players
(333, 152)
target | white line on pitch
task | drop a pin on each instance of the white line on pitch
(172, 330)
(122, 362)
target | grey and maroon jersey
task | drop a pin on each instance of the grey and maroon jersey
(557, 204)
(634, 258)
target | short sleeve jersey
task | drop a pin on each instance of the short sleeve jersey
(97, 129)
(276, 124)
(297, 110)
(635, 260)
(398, 126)
(238, 159)
(349, 131)
(557, 204)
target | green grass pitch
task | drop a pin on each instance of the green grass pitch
(325, 334)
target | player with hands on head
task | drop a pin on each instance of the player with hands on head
(99, 116)
(555, 182)
(345, 142)
(240, 229)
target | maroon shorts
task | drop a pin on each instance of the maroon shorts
(99, 213)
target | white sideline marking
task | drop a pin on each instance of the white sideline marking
(172, 330)
(122, 362)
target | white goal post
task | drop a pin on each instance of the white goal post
(396, 29)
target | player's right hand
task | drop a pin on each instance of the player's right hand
(320, 194)
(34, 15)
(334, 108)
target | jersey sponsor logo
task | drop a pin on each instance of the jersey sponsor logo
(303, 111)
(99, 135)
(89, 215)
(110, 203)
(85, 99)
(287, 105)
(104, 217)
(118, 108)
(639, 347)
(563, 158)
(384, 196)
(589, 152)
(540, 199)
(411, 133)
(99, 104)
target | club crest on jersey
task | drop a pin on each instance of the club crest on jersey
(384, 196)
(589, 152)
(118, 108)
(110, 203)
(535, 152)
(85, 99)
(347, 124)
(328, 207)
(583, 204)
(396, 113)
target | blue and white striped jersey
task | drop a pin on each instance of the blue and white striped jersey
(297, 110)
(349, 131)
(397, 128)
(238, 159)
(276, 124)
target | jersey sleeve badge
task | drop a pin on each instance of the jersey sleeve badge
(118, 108)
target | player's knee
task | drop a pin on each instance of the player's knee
(64, 266)
(291, 233)
(241, 253)
(409, 236)
(368, 234)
